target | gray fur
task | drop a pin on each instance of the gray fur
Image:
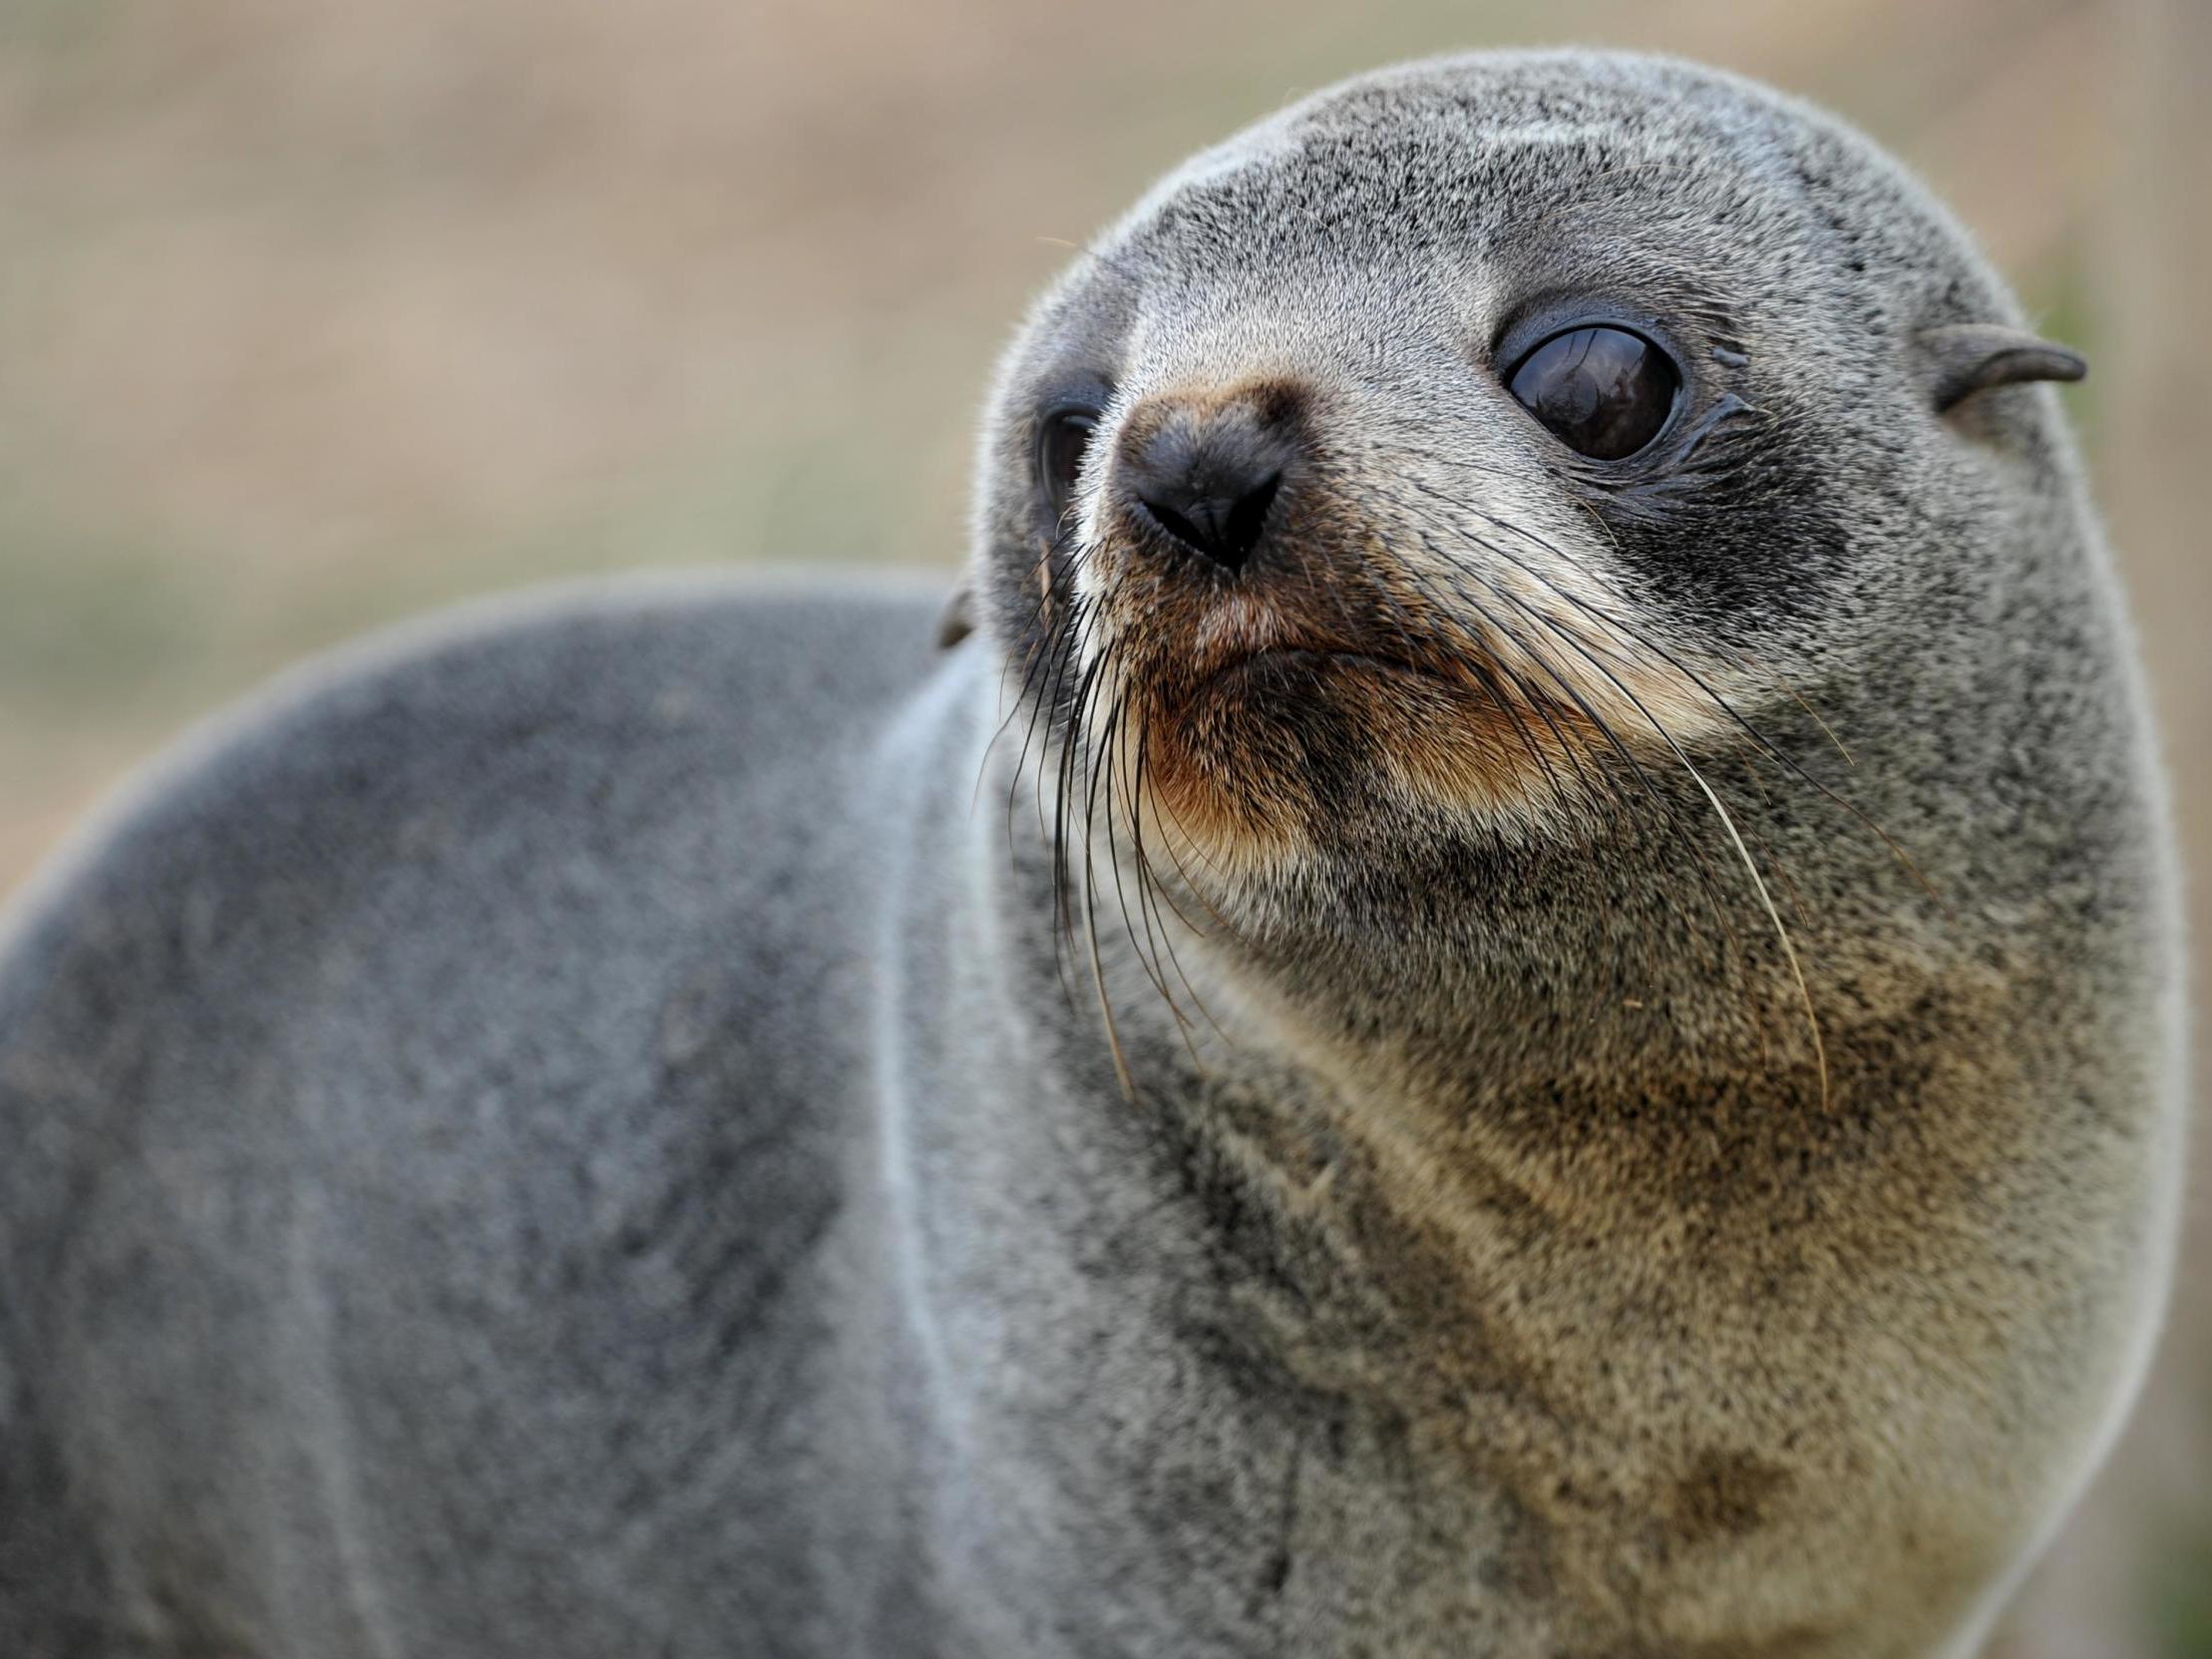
(584, 1133)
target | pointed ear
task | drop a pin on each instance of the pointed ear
(957, 620)
(1960, 359)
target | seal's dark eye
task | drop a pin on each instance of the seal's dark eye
(1604, 391)
(1061, 440)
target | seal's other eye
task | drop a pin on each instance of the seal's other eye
(1061, 440)
(1604, 392)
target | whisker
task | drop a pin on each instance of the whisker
(1111, 742)
(1473, 661)
(1708, 880)
(1750, 865)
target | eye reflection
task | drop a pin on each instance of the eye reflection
(1604, 392)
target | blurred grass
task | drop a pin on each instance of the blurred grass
(2180, 1596)
(96, 621)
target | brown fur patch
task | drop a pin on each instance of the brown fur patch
(1726, 1492)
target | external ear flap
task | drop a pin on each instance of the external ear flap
(957, 620)
(1960, 359)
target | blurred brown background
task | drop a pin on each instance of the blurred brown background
(313, 314)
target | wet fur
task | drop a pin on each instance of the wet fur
(1618, 1097)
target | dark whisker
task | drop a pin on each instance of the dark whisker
(1728, 709)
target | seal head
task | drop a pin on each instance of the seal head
(1420, 462)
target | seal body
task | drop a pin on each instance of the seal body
(1519, 1000)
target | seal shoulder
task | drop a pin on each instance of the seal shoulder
(627, 756)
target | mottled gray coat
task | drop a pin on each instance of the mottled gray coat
(643, 1124)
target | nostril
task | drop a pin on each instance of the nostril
(1248, 517)
(1224, 528)
(1174, 522)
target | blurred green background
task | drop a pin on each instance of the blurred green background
(314, 314)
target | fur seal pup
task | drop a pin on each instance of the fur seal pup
(1521, 998)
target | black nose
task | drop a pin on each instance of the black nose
(1208, 478)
